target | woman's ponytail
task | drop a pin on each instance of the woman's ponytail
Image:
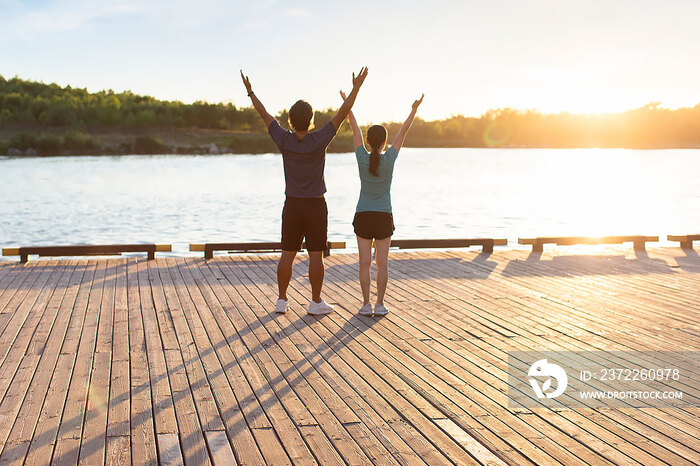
(374, 162)
(376, 137)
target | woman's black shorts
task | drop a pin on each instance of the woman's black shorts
(373, 225)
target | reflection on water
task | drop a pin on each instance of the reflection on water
(437, 193)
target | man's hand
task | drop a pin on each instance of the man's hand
(259, 107)
(349, 101)
(417, 103)
(360, 78)
(246, 83)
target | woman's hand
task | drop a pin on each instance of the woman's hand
(417, 103)
(342, 94)
(246, 83)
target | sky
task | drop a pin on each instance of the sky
(466, 56)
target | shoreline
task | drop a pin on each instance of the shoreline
(30, 154)
(197, 141)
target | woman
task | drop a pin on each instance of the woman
(373, 217)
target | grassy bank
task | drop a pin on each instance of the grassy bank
(182, 141)
(46, 119)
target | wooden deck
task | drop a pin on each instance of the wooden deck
(180, 359)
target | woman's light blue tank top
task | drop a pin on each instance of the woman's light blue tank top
(375, 191)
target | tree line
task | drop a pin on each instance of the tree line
(68, 118)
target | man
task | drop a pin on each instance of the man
(305, 214)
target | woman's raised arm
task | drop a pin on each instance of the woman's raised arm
(356, 132)
(401, 135)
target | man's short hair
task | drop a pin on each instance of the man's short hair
(301, 116)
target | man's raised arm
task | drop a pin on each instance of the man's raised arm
(350, 101)
(266, 117)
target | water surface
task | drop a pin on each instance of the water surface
(437, 193)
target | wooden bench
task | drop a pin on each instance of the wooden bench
(487, 244)
(538, 243)
(86, 250)
(209, 248)
(685, 240)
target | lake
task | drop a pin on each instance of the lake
(437, 193)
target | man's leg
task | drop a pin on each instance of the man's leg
(365, 248)
(316, 232)
(381, 256)
(292, 236)
(284, 272)
(317, 273)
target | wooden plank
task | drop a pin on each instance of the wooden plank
(537, 243)
(143, 441)
(209, 248)
(169, 450)
(685, 240)
(85, 250)
(683, 237)
(254, 246)
(94, 437)
(486, 243)
(220, 448)
(119, 411)
(118, 451)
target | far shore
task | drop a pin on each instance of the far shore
(204, 141)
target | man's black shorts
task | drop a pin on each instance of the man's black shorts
(305, 218)
(373, 225)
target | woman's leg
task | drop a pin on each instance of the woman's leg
(365, 248)
(381, 256)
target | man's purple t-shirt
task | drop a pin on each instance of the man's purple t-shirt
(304, 160)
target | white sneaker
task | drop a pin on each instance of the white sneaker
(380, 310)
(281, 306)
(365, 310)
(319, 309)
